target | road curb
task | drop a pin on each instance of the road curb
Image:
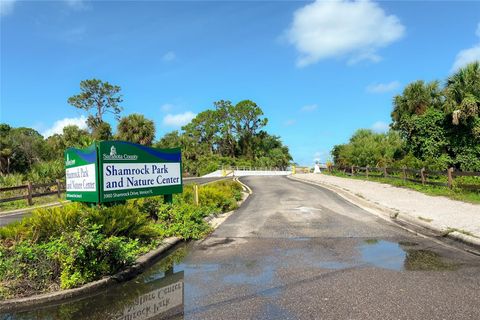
(245, 187)
(404, 220)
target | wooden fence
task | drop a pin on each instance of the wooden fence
(29, 191)
(422, 176)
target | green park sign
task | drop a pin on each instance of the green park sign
(118, 170)
(81, 172)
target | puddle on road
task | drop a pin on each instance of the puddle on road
(171, 286)
(263, 278)
(300, 239)
(403, 256)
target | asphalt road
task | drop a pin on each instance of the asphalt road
(296, 251)
(19, 215)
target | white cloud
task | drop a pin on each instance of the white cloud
(166, 107)
(383, 87)
(6, 7)
(58, 126)
(76, 4)
(321, 156)
(309, 108)
(289, 122)
(169, 56)
(380, 127)
(352, 29)
(466, 56)
(178, 120)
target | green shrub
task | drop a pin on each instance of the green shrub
(182, 220)
(28, 267)
(91, 255)
(235, 188)
(222, 195)
(473, 181)
(221, 199)
(12, 179)
(186, 196)
(147, 205)
(44, 224)
(122, 221)
(15, 231)
(46, 172)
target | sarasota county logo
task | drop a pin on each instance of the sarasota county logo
(69, 162)
(120, 157)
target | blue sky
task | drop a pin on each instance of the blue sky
(319, 70)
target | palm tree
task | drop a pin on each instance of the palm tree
(137, 129)
(416, 98)
(463, 93)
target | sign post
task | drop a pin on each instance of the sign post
(120, 170)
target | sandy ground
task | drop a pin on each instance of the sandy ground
(442, 213)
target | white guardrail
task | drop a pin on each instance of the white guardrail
(247, 171)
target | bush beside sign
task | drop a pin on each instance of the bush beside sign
(118, 170)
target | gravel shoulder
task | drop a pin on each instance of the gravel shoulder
(436, 213)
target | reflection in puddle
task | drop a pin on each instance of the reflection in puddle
(425, 260)
(407, 243)
(383, 254)
(371, 241)
(156, 294)
(154, 303)
(400, 256)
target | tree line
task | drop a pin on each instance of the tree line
(434, 125)
(228, 134)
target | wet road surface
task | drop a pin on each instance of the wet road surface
(294, 251)
(9, 218)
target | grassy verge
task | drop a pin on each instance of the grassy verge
(454, 193)
(22, 204)
(66, 247)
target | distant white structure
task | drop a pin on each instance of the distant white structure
(317, 168)
(244, 172)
